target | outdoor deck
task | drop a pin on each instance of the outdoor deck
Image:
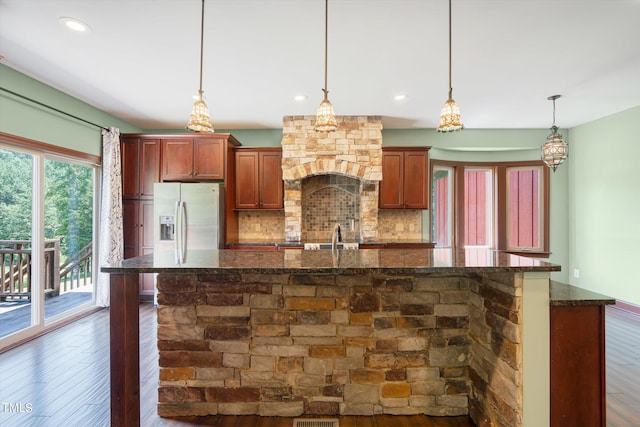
(66, 284)
(15, 314)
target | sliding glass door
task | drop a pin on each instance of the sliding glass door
(68, 232)
(47, 206)
(16, 208)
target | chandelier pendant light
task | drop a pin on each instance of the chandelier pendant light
(325, 117)
(450, 114)
(555, 150)
(200, 121)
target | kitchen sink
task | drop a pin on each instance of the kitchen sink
(340, 245)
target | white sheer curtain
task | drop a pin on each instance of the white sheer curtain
(110, 237)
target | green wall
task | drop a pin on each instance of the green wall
(23, 118)
(605, 204)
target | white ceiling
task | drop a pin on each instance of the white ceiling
(140, 62)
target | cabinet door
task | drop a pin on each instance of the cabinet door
(147, 281)
(208, 158)
(149, 166)
(130, 222)
(415, 180)
(391, 186)
(578, 377)
(129, 159)
(270, 180)
(247, 190)
(177, 159)
(146, 221)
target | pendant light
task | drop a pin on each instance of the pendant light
(326, 118)
(555, 150)
(450, 114)
(200, 121)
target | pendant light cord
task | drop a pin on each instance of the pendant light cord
(201, 45)
(450, 88)
(326, 45)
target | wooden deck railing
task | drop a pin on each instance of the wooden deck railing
(15, 269)
(76, 271)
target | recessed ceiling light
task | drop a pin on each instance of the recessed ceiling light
(75, 25)
(400, 97)
(300, 97)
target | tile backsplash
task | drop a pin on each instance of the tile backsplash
(328, 200)
(399, 224)
(256, 226)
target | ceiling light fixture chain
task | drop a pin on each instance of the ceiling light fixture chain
(450, 114)
(200, 121)
(326, 117)
(555, 150)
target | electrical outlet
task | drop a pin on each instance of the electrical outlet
(576, 273)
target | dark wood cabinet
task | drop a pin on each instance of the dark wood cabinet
(405, 178)
(137, 219)
(188, 159)
(140, 159)
(130, 226)
(258, 183)
(578, 356)
(578, 366)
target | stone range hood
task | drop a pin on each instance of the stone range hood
(351, 154)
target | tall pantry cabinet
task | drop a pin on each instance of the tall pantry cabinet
(140, 159)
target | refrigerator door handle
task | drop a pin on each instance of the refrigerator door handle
(183, 230)
(177, 233)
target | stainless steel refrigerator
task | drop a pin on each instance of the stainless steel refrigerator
(187, 217)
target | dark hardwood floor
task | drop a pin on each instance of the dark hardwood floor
(623, 368)
(62, 379)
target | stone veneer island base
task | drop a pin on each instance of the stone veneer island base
(290, 333)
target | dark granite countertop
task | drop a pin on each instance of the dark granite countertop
(562, 294)
(326, 261)
(385, 243)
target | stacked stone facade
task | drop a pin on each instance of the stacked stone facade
(354, 150)
(328, 344)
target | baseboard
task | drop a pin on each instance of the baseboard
(627, 306)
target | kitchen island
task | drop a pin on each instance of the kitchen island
(358, 332)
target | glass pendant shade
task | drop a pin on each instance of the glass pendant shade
(450, 117)
(200, 121)
(326, 118)
(555, 150)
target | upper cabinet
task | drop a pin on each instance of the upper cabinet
(192, 159)
(140, 167)
(258, 180)
(405, 178)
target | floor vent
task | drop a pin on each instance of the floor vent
(315, 422)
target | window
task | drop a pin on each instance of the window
(478, 207)
(495, 205)
(524, 205)
(441, 205)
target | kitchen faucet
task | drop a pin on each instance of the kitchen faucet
(336, 236)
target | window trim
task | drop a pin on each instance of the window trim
(500, 197)
(49, 149)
